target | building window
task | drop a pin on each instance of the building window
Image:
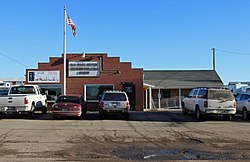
(94, 91)
(51, 90)
(166, 94)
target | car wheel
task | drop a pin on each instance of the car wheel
(2, 115)
(184, 110)
(245, 114)
(84, 113)
(44, 110)
(127, 116)
(101, 115)
(55, 117)
(31, 114)
(228, 117)
(198, 115)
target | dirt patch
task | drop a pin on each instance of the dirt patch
(89, 148)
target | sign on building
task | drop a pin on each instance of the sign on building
(84, 69)
(44, 76)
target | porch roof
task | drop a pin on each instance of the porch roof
(185, 79)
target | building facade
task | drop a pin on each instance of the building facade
(88, 75)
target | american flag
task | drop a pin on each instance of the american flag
(73, 26)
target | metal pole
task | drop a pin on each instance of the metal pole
(64, 53)
(213, 50)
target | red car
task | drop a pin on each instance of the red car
(69, 106)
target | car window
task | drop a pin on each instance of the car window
(202, 93)
(68, 99)
(220, 94)
(238, 97)
(243, 97)
(195, 93)
(23, 90)
(114, 97)
(191, 93)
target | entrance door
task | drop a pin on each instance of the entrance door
(129, 88)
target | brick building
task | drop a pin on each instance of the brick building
(89, 75)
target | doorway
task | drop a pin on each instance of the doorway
(129, 88)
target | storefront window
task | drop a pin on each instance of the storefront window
(94, 91)
(52, 91)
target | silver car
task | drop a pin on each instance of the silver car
(113, 102)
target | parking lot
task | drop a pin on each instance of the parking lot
(162, 135)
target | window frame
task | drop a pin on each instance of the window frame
(85, 91)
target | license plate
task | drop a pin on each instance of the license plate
(11, 108)
(65, 109)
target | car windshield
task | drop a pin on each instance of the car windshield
(68, 99)
(220, 94)
(23, 90)
(114, 97)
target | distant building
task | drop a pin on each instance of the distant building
(166, 88)
(6, 83)
(13, 81)
(238, 87)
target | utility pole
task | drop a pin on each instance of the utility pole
(213, 50)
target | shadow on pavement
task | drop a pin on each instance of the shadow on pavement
(155, 116)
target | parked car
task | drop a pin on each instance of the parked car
(23, 99)
(69, 106)
(243, 104)
(206, 101)
(114, 102)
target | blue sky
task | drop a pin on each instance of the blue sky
(152, 34)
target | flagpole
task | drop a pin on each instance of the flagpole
(64, 52)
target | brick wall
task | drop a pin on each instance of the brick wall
(112, 71)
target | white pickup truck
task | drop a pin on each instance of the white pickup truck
(23, 99)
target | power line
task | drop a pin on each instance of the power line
(13, 59)
(235, 53)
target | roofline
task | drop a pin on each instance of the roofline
(156, 70)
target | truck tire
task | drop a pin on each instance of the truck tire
(101, 114)
(228, 117)
(44, 110)
(31, 114)
(126, 116)
(2, 115)
(198, 114)
(184, 110)
(84, 114)
(245, 115)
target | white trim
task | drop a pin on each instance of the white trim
(148, 85)
(150, 98)
(146, 99)
(159, 98)
(180, 98)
